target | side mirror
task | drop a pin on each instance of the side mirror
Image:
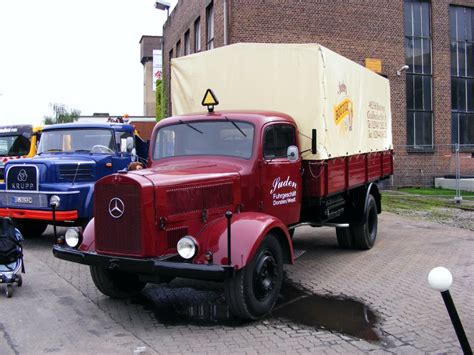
(126, 145)
(292, 153)
(130, 144)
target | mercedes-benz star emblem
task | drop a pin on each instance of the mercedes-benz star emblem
(22, 175)
(116, 207)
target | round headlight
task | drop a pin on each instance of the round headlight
(73, 237)
(54, 201)
(187, 247)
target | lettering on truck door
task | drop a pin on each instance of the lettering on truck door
(281, 178)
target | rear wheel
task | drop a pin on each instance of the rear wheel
(31, 228)
(9, 291)
(19, 280)
(253, 291)
(116, 284)
(365, 233)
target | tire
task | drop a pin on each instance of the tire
(9, 291)
(19, 281)
(345, 238)
(116, 284)
(365, 233)
(253, 291)
(31, 228)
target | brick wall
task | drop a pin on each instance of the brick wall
(357, 29)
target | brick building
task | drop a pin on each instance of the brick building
(432, 100)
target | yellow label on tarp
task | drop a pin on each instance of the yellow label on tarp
(209, 99)
(342, 110)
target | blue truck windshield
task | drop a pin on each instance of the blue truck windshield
(77, 140)
(228, 138)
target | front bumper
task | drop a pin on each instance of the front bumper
(38, 214)
(165, 266)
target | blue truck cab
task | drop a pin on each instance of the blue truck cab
(70, 159)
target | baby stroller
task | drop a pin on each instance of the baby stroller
(11, 255)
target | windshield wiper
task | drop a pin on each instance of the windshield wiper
(235, 125)
(187, 124)
(81, 150)
(50, 151)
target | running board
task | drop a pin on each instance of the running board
(336, 225)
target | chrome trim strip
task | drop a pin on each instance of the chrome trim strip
(40, 192)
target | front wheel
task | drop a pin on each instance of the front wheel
(253, 291)
(31, 228)
(116, 284)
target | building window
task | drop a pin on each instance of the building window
(197, 35)
(187, 43)
(178, 49)
(210, 27)
(419, 74)
(461, 20)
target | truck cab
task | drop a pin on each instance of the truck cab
(69, 160)
(17, 141)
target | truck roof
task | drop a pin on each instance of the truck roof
(253, 116)
(115, 126)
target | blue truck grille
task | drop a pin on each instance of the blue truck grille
(76, 172)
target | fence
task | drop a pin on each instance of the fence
(449, 166)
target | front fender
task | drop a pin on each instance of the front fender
(247, 232)
(88, 237)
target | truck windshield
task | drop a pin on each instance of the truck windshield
(77, 140)
(14, 145)
(228, 138)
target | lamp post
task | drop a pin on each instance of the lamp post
(163, 5)
(440, 279)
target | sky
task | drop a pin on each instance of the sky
(83, 54)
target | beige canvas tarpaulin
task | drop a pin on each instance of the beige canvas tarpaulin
(348, 104)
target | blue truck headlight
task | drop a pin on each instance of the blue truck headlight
(55, 200)
(187, 247)
(73, 237)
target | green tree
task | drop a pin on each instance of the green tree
(158, 98)
(61, 114)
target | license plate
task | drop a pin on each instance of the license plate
(22, 199)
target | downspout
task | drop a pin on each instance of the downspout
(226, 24)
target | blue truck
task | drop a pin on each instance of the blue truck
(70, 159)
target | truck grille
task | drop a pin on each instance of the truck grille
(117, 233)
(174, 235)
(189, 199)
(76, 172)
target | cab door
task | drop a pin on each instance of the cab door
(281, 178)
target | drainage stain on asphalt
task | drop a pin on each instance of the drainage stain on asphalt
(295, 305)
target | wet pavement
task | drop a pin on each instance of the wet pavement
(332, 301)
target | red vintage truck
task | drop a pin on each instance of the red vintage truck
(224, 191)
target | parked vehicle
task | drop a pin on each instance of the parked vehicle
(225, 190)
(71, 158)
(18, 141)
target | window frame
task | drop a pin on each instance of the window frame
(273, 127)
(197, 35)
(464, 79)
(419, 98)
(210, 26)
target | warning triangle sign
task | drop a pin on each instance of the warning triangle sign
(209, 99)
